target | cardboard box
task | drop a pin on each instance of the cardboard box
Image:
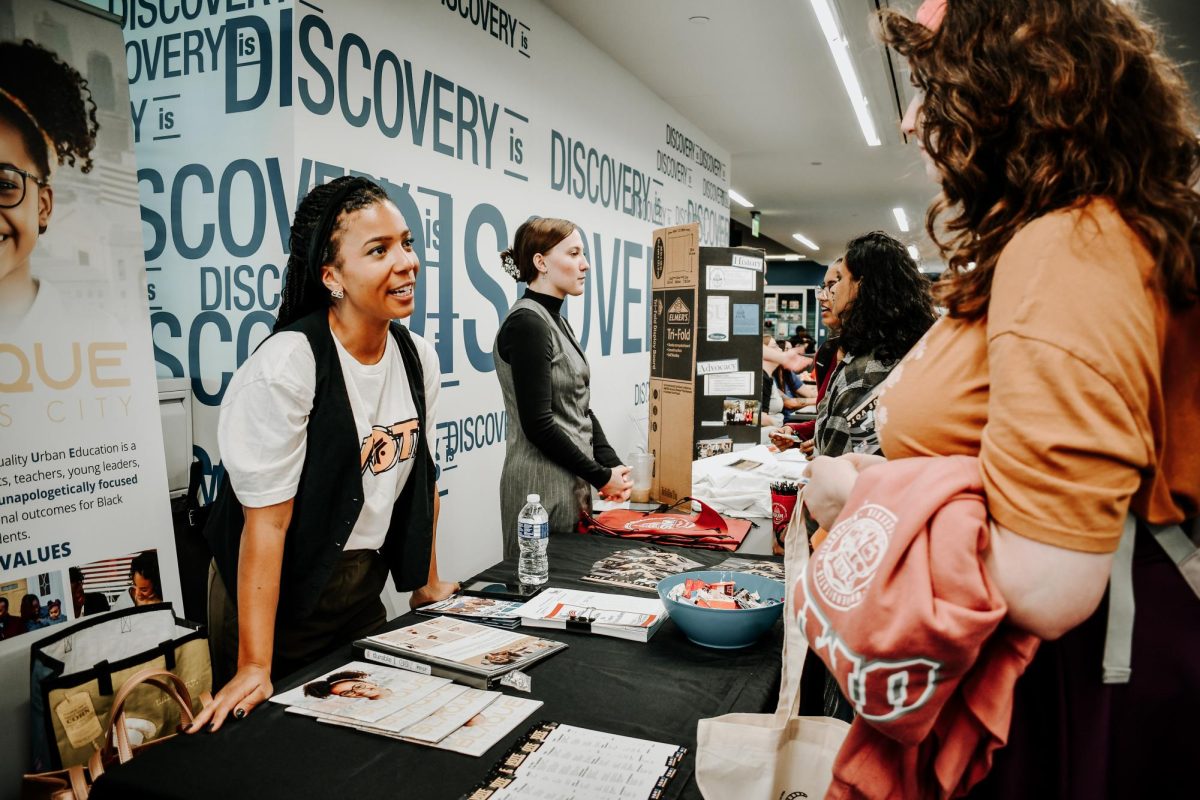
(705, 354)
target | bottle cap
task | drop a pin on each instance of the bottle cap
(533, 498)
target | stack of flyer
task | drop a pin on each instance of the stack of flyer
(476, 655)
(766, 569)
(640, 568)
(422, 709)
(633, 618)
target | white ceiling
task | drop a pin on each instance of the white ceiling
(760, 80)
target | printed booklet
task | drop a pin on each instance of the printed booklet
(553, 761)
(633, 618)
(361, 691)
(484, 610)
(766, 569)
(640, 568)
(477, 655)
(416, 708)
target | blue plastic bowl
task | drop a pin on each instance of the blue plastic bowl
(724, 629)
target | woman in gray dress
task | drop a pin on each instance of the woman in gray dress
(555, 445)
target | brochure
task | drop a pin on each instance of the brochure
(633, 618)
(474, 737)
(477, 655)
(554, 761)
(641, 568)
(361, 691)
(767, 569)
(484, 610)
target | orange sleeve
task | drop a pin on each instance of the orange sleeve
(1062, 453)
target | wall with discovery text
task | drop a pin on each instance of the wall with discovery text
(474, 115)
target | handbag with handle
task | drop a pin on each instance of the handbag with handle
(75, 782)
(76, 673)
(707, 530)
(772, 756)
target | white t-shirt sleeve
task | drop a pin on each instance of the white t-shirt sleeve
(263, 430)
(432, 373)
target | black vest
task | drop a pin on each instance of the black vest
(330, 495)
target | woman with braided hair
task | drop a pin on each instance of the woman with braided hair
(47, 118)
(326, 435)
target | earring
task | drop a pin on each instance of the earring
(337, 294)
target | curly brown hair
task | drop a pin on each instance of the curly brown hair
(1035, 106)
(57, 96)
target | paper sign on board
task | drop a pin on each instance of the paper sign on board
(745, 319)
(718, 319)
(748, 262)
(730, 279)
(730, 383)
(716, 367)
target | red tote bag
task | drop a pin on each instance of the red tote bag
(707, 530)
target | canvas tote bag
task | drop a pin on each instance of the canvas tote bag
(75, 782)
(76, 674)
(776, 756)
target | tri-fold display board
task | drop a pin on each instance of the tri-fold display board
(706, 354)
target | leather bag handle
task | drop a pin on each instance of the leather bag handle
(168, 682)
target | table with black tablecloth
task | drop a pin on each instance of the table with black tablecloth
(657, 690)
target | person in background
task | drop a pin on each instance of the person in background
(85, 603)
(558, 447)
(47, 118)
(327, 435)
(145, 587)
(31, 613)
(802, 339)
(883, 306)
(1065, 145)
(782, 389)
(10, 625)
(827, 357)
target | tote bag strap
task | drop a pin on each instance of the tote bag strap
(795, 645)
(168, 682)
(1118, 637)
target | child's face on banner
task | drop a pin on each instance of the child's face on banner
(19, 224)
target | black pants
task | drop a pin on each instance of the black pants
(349, 608)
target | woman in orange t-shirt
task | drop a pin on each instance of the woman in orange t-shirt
(1065, 147)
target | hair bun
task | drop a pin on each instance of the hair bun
(509, 263)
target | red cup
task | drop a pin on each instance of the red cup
(783, 505)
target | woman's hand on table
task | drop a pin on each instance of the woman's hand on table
(249, 687)
(432, 593)
(806, 446)
(619, 485)
(830, 481)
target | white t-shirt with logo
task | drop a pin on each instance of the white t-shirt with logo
(263, 432)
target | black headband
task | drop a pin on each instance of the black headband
(324, 227)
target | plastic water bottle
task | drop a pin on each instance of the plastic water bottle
(533, 534)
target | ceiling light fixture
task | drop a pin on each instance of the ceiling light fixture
(901, 219)
(914, 252)
(804, 240)
(787, 257)
(737, 198)
(840, 48)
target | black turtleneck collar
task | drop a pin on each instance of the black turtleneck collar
(549, 302)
